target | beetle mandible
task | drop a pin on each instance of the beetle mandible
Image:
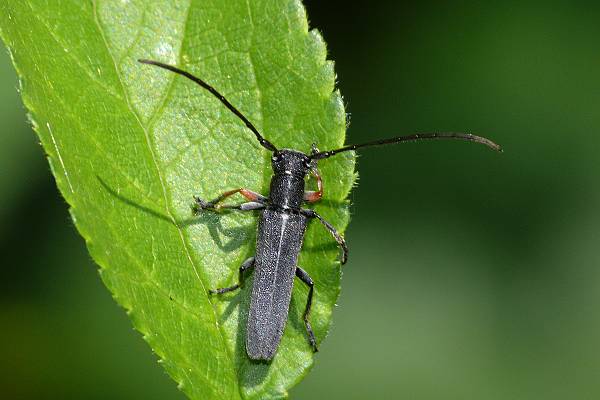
(281, 228)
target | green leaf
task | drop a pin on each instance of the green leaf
(130, 144)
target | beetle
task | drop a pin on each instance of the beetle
(281, 228)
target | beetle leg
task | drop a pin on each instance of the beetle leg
(214, 204)
(314, 150)
(338, 238)
(250, 206)
(246, 265)
(312, 196)
(304, 277)
(255, 198)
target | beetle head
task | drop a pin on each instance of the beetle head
(290, 162)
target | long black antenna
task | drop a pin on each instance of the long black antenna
(264, 142)
(410, 138)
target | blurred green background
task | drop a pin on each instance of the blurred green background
(472, 275)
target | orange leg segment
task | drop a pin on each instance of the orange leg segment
(312, 196)
(214, 204)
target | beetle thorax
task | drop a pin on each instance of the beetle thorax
(290, 167)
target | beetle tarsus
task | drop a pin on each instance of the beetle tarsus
(338, 238)
(224, 290)
(304, 277)
(200, 204)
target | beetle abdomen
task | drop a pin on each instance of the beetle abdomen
(278, 244)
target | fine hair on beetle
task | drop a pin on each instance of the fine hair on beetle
(282, 225)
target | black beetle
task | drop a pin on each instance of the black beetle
(281, 228)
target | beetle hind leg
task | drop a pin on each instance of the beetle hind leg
(246, 265)
(304, 277)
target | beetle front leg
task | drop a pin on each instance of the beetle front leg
(304, 277)
(312, 196)
(250, 206)
(338, 238)
(246, 266)
(253, 197)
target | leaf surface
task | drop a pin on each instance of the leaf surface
(130, 144)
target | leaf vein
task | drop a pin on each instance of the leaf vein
(163, 185)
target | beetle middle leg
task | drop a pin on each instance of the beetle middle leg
(304, 277)
(246, 266)
(338, 238)
(253, 197)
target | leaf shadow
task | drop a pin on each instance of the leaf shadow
(294, 317)
(237, 236)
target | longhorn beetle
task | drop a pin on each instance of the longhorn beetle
(281, 228)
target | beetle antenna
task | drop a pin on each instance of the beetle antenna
(264, 142)
(411, 138)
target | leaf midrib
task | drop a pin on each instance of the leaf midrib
(160, 175)
(132, 182)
